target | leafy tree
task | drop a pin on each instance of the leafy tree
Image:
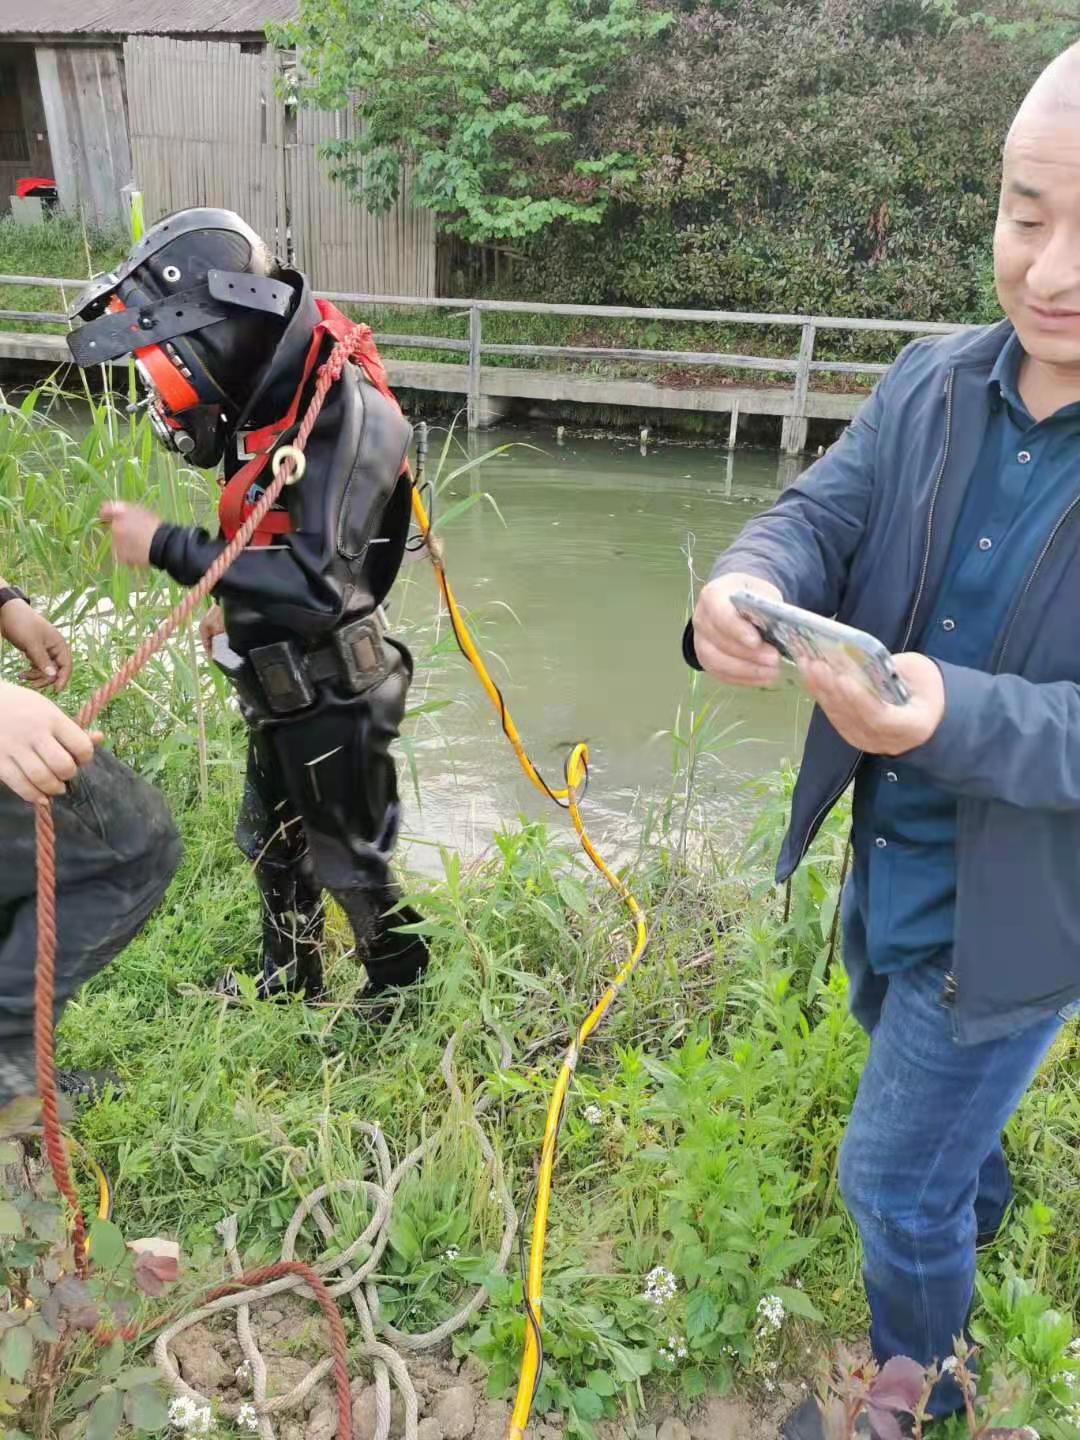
(1044, 27)
(824, 156)
(481, 105)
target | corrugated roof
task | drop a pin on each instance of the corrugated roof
(140, 17)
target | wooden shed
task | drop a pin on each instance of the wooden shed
(182, 100)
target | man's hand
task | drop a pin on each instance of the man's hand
(729, 647)
(40, 642)
(40, 748)
(133, 528)
(867, 722)
(212, 623)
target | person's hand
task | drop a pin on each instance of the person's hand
(729, 647)
(133, 528)
(212, 623)
(869, 723)
(40, 748)
(40, 642)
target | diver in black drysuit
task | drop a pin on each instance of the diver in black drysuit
(228, 343)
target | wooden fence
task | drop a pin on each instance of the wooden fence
(209, 126)
(468, 376)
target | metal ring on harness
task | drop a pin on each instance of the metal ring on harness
(289, 452)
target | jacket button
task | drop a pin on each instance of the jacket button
(948, 624)
(985, 543)
(881, 842)
(891, 776)
(1024, 457)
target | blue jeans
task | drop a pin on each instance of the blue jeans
(922, 1170)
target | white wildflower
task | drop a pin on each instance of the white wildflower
(593, 1114)
(185, 1414)
(675, 1349)
(246, 1418)
(950, 1365)
(770, 1386)
(451, 1253)
(660, 1286)
(771, 1312)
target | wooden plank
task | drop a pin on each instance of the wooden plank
(35, 317)
(623, 312)
(545, 385)
(475, 340)
(83, 97)
(50, 349)
(56, 119)
(424, 342)
(847, 367)
(657, 357)
(793, 439)
(39, 280)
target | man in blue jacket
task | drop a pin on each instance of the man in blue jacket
(946, 521)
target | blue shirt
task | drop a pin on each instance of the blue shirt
(904, 826)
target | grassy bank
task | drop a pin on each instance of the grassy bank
(62, 248)
(703, 1129)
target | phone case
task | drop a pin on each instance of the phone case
(801, 634)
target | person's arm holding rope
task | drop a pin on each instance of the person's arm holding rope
(40, 747)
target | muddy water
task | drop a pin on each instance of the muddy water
(577, 573)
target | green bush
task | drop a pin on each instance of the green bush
(837, 158)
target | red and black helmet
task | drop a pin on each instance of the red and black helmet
(201, 304)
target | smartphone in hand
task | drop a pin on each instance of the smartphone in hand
(800, 634)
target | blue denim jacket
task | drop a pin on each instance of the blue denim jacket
(864, 535)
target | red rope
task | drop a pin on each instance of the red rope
(45, 975)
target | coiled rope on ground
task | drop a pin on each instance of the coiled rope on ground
(355, 1283)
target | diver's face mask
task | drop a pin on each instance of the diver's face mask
(178, 418)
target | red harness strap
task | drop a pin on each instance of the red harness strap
(241, 492)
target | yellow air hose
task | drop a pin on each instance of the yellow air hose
(569, 798)
(105, 1198)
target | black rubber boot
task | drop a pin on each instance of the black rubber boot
(292, 936)
(395, 960)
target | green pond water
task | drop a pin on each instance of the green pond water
(578, 579)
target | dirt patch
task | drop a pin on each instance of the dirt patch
(451, 1394)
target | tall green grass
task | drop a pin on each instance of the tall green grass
(63, 248)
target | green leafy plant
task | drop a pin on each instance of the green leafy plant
(56, 1358)
(481, 102)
